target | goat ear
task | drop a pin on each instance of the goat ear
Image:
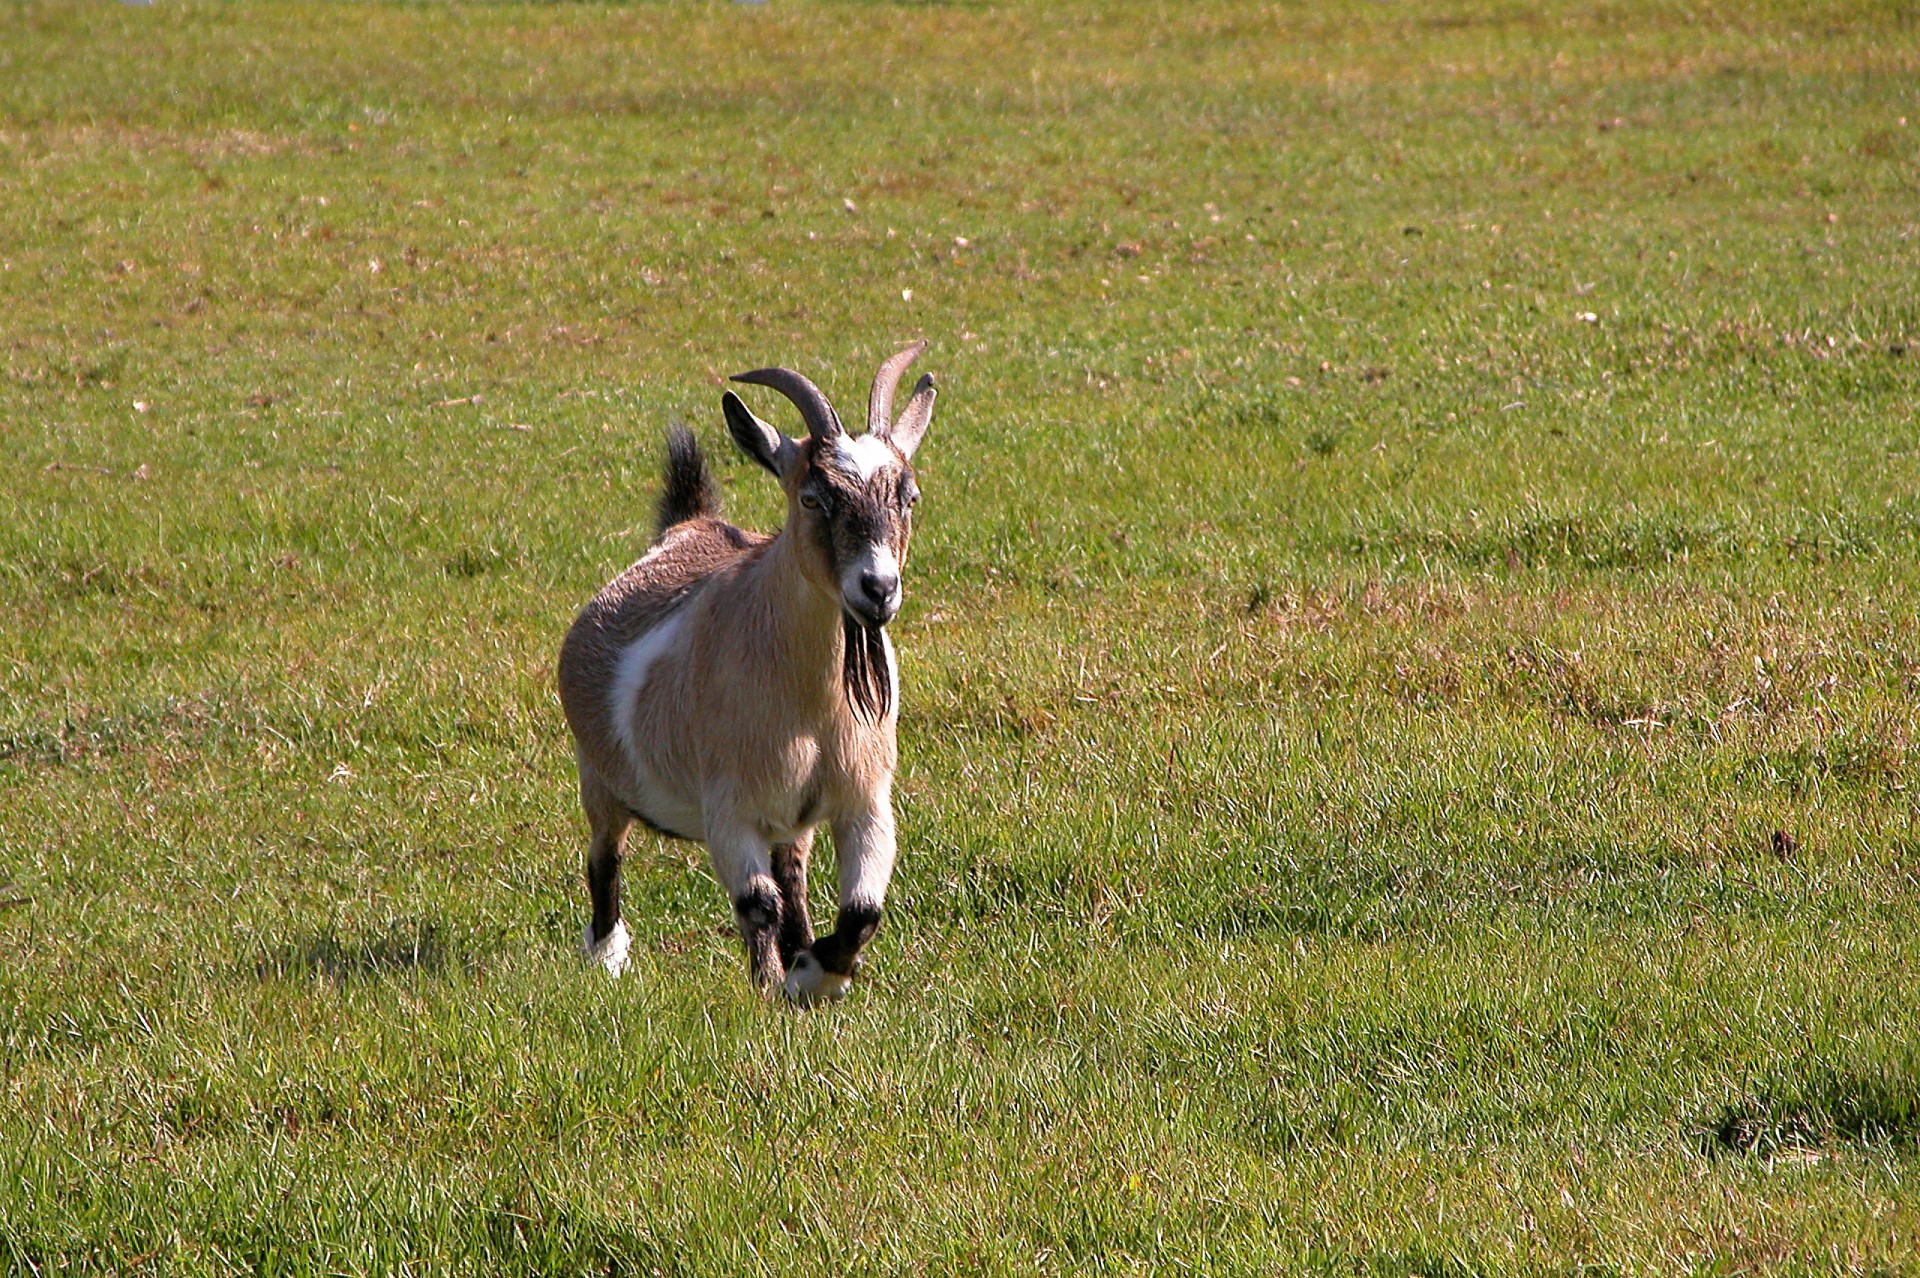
(911, 428)
(756, 438)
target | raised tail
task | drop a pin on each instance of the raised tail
(690, 491)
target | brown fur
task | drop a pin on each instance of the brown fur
(744, 730)
(765, 727)
(625, 609)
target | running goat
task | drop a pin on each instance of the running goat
(740, 689)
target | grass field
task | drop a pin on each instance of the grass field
(1410, 659)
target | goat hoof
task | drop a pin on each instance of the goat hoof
(809, 983)
(611, 950)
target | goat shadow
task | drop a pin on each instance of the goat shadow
(345, 956)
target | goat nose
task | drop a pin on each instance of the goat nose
(879, 586)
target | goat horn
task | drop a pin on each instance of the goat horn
(880, 398)
(822, 421)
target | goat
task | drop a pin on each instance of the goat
(739, 690)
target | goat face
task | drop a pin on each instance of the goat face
(852, 504)
(849, 498)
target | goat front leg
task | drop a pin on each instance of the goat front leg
(743, 864)
(864, 847)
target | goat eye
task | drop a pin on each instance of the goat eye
(809, 501)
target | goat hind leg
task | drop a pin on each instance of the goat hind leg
(605, 941)
(790, 874)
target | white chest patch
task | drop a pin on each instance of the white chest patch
(630, 676)
(863, 455)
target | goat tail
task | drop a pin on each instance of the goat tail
(690, 491)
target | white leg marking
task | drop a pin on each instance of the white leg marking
(611, 950)
(808, 983)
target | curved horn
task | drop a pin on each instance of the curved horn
(880, 398)
(822, 421)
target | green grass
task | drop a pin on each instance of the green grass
(1350, 697)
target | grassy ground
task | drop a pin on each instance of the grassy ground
(1423, 495)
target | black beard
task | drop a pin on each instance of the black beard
(864, 669)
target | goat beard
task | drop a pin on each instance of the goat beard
(869, 683)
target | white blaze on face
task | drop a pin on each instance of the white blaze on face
(862, 455)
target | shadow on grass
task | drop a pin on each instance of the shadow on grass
(404, 945)
(1819, 1109)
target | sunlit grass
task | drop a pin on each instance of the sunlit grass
(1409, 657)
